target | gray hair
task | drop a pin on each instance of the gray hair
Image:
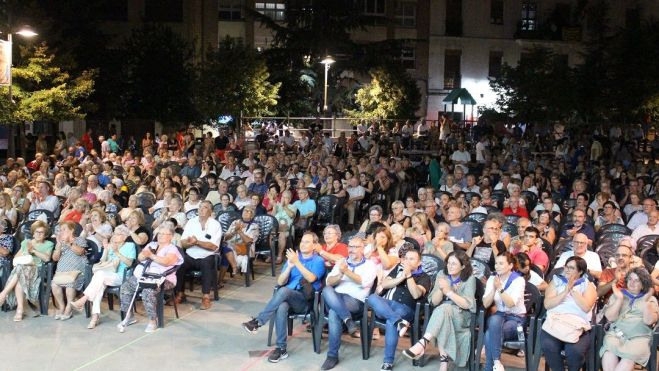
(335, 227)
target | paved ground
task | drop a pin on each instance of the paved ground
(197, 340)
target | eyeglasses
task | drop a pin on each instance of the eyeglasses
(356, 246)
(622, 255)
(580, 242)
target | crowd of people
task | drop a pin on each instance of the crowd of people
(571, 212)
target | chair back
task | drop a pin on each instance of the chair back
(313, 193)
(325, 208)
(475, 217)
(512, 219)
(511, 229)
(414, 243)
(618, 228)
(41, 214)
(193, 213)
(268, 228)
(645, 242)
(476, 228)
(93, 252)
(432, 265)
(606, 249)
(530, 198)
(146, 199)
(157, 212)
(226, 218)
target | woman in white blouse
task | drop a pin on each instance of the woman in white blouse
(504, 289)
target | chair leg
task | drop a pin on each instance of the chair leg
(290, 326)
(88, 309)
(110, 301)
(174, 301)
(248, 282)
(314, 334)
(160, 310)
(273, 253)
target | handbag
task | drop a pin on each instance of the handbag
(106, 266)
(565, 327)
(240, 248)
(23, 260)
(65, 278)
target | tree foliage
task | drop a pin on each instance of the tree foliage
(234, 80)
(392, 93)
(157, 76)
(44, 91)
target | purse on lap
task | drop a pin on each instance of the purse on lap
(565, 327)
(65, 278)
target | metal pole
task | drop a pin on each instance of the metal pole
(325, 90)
(11, 57)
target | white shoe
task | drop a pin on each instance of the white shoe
(498, 366)
(151, 327)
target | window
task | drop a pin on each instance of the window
(406, 13)
(453, 17)
(529, 16)
(374, 7)
(163, 10)
(113, 10)
(408, 57)
(452, 77)
(275, 11)
(496, 11)
(494, 69)
(230, 10)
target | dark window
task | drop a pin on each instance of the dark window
(113, 10)
(230, 10)
(454, 17)
(374, 7)
(452, 77)
(408, 57)
(529, 15)
(273, 10)
(163, 10)
(496, 11)
(632, 18)
(406, 13)
(494, 69)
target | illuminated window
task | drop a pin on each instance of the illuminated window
(529, 16)
(275, 11)
(408, 57)
(452, 76)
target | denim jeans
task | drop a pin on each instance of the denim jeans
(283, 300)
(392, 312)
(341, 307)
(500, 327)
(575, 354)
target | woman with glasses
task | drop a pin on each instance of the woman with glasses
(610, 215)
(398, 216)
(23, 282)
(572, 296)
(374, 215)
(633, 313)
(194, 199)
(544, 225)
(454, 302)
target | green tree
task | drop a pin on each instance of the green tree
(539, 88)
(233, 80)
(156, 76)
(392, 93)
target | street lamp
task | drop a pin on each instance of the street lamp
(327, 62)
(25, 31)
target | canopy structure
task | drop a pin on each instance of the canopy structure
(460, 96)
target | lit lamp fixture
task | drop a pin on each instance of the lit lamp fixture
(25, 31)
(327, 62)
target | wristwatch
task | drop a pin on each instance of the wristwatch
(501, 291)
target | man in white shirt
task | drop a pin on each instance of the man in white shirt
(355, 194)
(471, 185)
(580, 249)
(641, 217)
(200, 240)
(93, 186)
(348, 285)
(461, 157)
(230, 169)
(481, 149)
(651, 227)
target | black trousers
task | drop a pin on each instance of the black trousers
(205, 265)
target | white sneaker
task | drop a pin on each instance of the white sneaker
(498, 366)
(151, 327)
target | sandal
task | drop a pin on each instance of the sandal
(76, 307)
(94, 322)
(18, 317)
(443, 358)
(417, 350)
(402, 327)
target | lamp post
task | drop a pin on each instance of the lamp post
(26, 31)
(327, 62)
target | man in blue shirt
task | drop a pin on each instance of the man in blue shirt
(305, 265)
(258, 185)
(191, 170)
(305, 205)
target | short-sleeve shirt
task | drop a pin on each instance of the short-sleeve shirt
(592, 260)
(129, 251)
(305, 207)
(516, 292)
(538, 257)
(340, 248)
(211, 232)
(401, 293)
(156, 267)
(366, 270)
(460, 233)
(45, 247)
(315, 264)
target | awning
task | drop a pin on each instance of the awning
(459, 96)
